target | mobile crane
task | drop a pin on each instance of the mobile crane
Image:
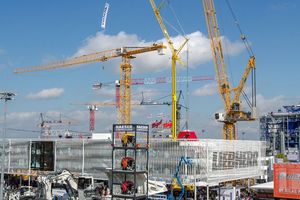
(230, 96)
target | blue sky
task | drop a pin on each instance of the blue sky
(36, 32)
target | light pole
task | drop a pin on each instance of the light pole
(6, 96)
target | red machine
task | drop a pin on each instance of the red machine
(127, 187)
(127, 163)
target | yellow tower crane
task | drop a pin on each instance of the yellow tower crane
(175, 58)
(125, 81)
(230, 96)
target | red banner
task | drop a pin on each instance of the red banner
(287, 181)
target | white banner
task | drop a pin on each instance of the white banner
(104, 15)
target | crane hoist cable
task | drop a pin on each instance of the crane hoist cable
(167, 3)
(249, 50)
(246, 99)
(243, 36)
(176, 18)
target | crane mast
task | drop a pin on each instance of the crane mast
(175, 58)
(230, 96)
(124, 114)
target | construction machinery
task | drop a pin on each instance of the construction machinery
(230, 96)
(93, 106)
(126, 53)
(127, 187)
(55, 184)
(62, 179)
(178, 190)
(150, 81)
(128, 138)
(47, 123)
(127, 163)
(175, 58)
(92, 109)
(156, 80)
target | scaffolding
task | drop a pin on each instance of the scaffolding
(281, 131)
(214, 161)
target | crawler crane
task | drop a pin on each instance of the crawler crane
(230, 96)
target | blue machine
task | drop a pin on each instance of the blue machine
(186, 161)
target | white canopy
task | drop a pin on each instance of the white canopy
(264, 186)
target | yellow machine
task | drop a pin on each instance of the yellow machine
(230, 96)
(126, 53)
(189, 189)
(179, 190)
(175, 58)
(128, 138)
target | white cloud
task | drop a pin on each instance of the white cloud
(206, 90)
(107, 92)
(232, 48)
(102, 42)
(265, 105)
(22, 116)
(26, 124)
(2, 51)
(101, 114)
(148, 93)
(199, 49)
(46, 93)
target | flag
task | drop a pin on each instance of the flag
(104, 15)
(167, 124)
(156, 124)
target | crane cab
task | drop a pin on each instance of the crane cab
(220, 117)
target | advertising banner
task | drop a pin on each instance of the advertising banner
(287, 181)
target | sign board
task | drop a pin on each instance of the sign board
(130, 128)
(142, 128)
(287, 181)
(123, 128)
